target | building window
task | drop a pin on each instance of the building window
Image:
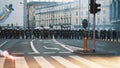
(76, 21)
(76, 13)
(81, 13)
(98, 21)
(118, 10)
(104, 20)
(104, 11)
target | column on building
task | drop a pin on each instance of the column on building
(119, 10)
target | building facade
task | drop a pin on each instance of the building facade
(71, 14)
(65, 15)
(55, 15)
(103, 17)
(31, 16)
(115, 14)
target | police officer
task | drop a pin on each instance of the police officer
(22, 33)
(27, 33)
(30, 33)
(96, 34)
(37, 33)
(114, 35)
(108, 35)
(104, 34)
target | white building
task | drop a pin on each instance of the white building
(32, 7)
(76, 12)
(73, 13)
(103, 17)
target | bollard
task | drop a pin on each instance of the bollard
(85, 44)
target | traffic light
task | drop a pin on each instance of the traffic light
(97, 9)
(92, 2)
(94, 7)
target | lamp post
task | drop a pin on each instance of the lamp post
(28, 25)
(25, 13)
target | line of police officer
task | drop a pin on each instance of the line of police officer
(62, 34)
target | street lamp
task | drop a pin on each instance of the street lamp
(25, 12)
(28, 25)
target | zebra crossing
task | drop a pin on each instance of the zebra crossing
(58, 62)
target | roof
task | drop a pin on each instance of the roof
(42, 3)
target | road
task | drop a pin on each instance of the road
(52, 53)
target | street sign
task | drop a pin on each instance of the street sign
(85, 23)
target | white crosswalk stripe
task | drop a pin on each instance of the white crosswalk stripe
(21, 63)
(87, 62)
(65, 62)
(2, 60)
(44, 62)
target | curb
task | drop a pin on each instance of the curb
(90, 52)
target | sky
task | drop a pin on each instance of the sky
(52, 0)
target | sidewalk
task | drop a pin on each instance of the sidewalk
(96, 53)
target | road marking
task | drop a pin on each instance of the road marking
(24, 43)
(57, 43)
(25, 53)
(68, 47)
(59, 62)
(65, 62)
(87, 62)
(49, 52)
(9, 63)
(17, 53)
(3, 43)
(2, 60)
(74, 48)
(51, 48)
(45, 42)
(43, 62)
(32, 53)
(20, 62)
(32, 63)
(64, 46)
(54, 62)
(40, 40)
(33, 47)
(65, 52)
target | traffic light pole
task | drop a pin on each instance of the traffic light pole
(94, 26)
(94, 8)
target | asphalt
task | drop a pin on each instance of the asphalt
(101, 47)
(23, 46)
